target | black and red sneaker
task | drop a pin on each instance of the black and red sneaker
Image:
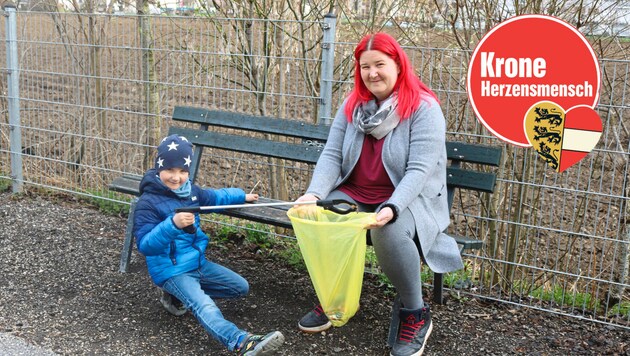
(415, 328)
(315, 321)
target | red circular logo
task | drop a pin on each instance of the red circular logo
(526, 60)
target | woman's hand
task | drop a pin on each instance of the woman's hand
(306, 211)
(181, 220)
(251, 197)
(307, 197)
(382, 217)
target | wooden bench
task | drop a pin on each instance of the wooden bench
(307, 148)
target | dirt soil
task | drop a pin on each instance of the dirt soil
(61, 289)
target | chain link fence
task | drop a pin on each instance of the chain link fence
(85, 97)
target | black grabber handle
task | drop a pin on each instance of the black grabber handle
(338, 206)
(189, 209)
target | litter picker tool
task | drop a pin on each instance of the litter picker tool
(338, 206)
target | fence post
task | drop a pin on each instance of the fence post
(13, 77)
(328, 65)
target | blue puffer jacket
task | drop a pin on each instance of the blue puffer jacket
(170, 251)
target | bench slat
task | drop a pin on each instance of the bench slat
(128, 184)
(284, 150)
(263, 124)
(265, 215)
(467, 243)
(472, 180)
(473, 153)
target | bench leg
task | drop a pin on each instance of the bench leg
(395, 322)
(438, 283)
(125, 255)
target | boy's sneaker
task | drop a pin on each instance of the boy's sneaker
(260, 345)
(315, 321)
(172, 304)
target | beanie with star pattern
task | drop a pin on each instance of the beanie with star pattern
(174, 152)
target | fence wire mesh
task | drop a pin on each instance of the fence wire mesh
(95, 96)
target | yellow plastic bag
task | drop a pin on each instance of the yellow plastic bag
(333, 247)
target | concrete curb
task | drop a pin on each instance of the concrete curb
(14, 346)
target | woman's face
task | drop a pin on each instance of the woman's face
(379, 73)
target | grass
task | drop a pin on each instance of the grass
(622, 310)
(224, 230)
(260, 235)
(105, 205)
(5, 184)
(565, 298)
(221, 230)
(371, 263)
(452, 279)
(291, 255)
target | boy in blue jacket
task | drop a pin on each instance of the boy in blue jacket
(175, 246)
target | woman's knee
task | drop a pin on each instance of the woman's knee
(404, 226)
(393, 231)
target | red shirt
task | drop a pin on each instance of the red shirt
(369, 183)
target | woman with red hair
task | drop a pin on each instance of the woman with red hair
(386, 152)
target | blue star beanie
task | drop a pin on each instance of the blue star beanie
(174, 152)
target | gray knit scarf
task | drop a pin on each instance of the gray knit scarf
(375, 120)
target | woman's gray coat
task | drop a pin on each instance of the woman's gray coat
(414, 156)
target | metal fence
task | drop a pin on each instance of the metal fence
(85, 97)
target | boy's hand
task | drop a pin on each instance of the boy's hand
(181, 220)
(251, 197)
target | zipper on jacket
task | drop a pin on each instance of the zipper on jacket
(200, 254)
(172, 253)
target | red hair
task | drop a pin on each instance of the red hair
(411, 90)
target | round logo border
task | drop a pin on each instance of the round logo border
(497, 27)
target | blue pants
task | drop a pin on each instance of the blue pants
(197, 288)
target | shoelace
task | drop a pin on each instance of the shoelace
(318, 310)
(408, 330)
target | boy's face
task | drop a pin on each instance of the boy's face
(173, 177)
